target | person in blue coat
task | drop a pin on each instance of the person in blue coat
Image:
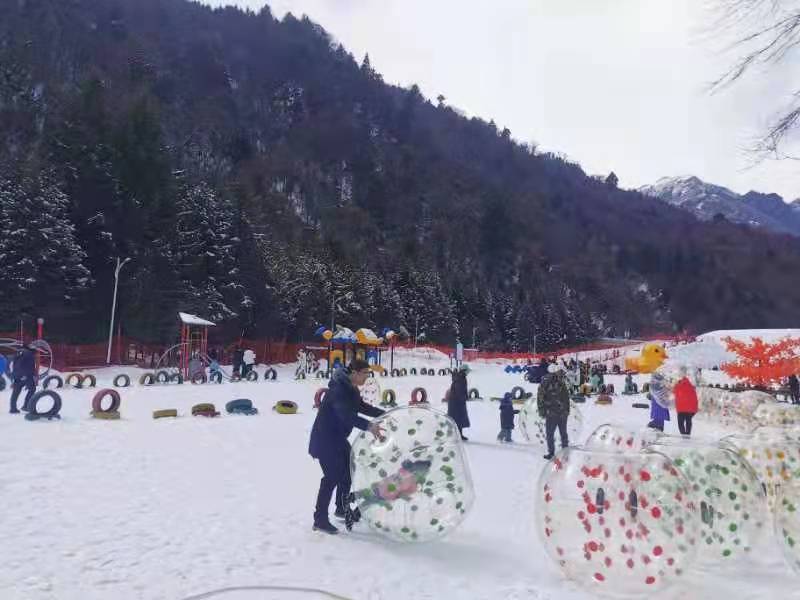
(23, 375)
(337, 416)
(3, 371)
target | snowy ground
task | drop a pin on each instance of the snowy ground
(173, 508)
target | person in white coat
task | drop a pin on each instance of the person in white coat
(249, 360)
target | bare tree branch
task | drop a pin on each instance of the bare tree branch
(777, 32)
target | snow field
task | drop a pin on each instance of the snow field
(144, 509)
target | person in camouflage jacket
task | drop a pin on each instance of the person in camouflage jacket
(552, 402)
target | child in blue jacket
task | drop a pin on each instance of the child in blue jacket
(507, 413)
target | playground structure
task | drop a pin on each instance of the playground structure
(194, 340)
(43, 352)
(346, 345)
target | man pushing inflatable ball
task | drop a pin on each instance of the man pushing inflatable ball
(337, 416)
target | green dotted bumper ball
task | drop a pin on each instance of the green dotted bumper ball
(787, 523)
(414, 485)
(727, 491)
(773, 414)
(532, 425)
(774, 457)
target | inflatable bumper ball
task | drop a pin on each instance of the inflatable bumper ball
(617, 523)
(787, 523)
(727, 493)
(532, 425)
(775, 458)
(613, 438)
(773, 414)
(413, 485)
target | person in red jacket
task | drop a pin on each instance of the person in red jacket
(685, 402)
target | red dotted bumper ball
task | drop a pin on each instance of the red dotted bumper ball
(619, 524)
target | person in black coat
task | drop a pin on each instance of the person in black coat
(337, 416)
(507, 413)
(457, 400)
(794, 388)
(23, 375)
(238, 361)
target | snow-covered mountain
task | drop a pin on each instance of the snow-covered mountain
(707, 201)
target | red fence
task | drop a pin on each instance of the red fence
(127, 351)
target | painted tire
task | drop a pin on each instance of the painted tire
(403, 372)
(124, 378)
(204, 409)
(165, 414)
(97, 401)
(395, 372)
(147, 379)
(176, 378)
(388, 398)
(319, 396)
(640, 405)
(431, 373)
(50, 379)
(242, 406)
(646, 387)
(75, 377)
(214, 378)
(271, 374)
(474, 394)
(162, 377)
(91, 379)
(517, 393)
(419, 396)
(199, 378)
(319, 375)
(300, 376)
(107, 415)
(50, 414)
(285, 407)
(413, 371)
(442, 372)
(423, 371)
(252, 376)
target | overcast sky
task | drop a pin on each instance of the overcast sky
(613, 84)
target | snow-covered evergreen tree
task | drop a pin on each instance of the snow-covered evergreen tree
(40, 260)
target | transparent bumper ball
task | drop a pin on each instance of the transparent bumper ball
(618, 524)
(414, 485)
(774, 457)
(616, 438)
(728, 494)
(773, 414)
(787, 523)
(532, 425)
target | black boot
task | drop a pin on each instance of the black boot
(325, 527)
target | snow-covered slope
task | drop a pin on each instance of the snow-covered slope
(706, 200)
(162, 510)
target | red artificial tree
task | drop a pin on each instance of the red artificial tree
(760, 364)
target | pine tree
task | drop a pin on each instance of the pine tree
(40, 260)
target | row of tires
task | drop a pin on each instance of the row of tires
(79, 380)
(393, 373)
(241, 406)
(389, 397)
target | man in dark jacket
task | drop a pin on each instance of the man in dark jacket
(552, 402)
(23, 375)
(794, 388)
(457, 400)
(238, 361)
(337, 416)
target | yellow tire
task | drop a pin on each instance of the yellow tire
(164, 414)
(106, 415)
(285, 407)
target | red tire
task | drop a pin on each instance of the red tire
(419, 396)
(97, 401)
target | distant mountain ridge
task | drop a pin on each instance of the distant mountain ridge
(707, 201)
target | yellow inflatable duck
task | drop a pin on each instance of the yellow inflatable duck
(652, 357)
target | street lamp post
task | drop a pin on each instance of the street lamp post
(114, 306)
